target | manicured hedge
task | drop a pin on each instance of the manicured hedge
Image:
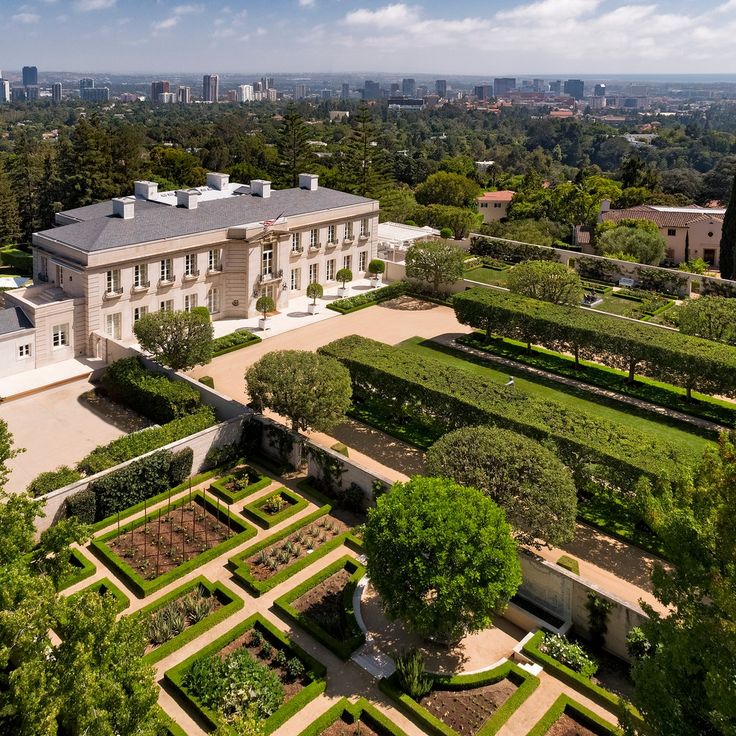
(254, 511)
(565, 705)
(83, 568)
(314, 670)
(526, 685)
(230, 604)
(219, 488)
(569, 563)
(683, 360)
(142, 587)
(16, 259)
(105, 586)
(343, 648)
(156, 396)
(361, 710)
(511, 251)
(369, 298)
(50, 480)
(446, 398)
(233, 341)
(139, 443)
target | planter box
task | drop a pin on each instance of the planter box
(313, 308)
(342, 292)
(263, 323)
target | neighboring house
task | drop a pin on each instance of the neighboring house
(690, 232)
(494, 205)
(220, 246)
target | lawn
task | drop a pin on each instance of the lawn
(673, 432)
(488, 276)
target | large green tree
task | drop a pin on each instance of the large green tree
(449, 189)
(179, 340)
(295, 154)
(684, 677)
(441, 556)
(437, 263)
(313, 391)
(727, 257)
(9, 216)
(546, 280)
(535, 489)
(631, 243)
(712, 317)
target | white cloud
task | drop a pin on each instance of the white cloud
(166, 24)
(306, 3)
(88, 5)
(389, 16)
(26, 18)
(187, 9)
(550, 10)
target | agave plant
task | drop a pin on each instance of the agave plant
(197, 606)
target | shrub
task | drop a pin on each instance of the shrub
(225, 455)
(377, 266)
(510, 251)
(52, 479)
(207, 381)
(83, 505)
(569, 563)
(155, 396)
(368, 298)
(314, 291)
(598, 609)
(17, 259)
(344, 275)
(265, 304)
(446, 233)
(413, 680)
(570, 654)
(233, 341)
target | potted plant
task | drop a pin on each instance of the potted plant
(264, 305)
(375, 268)
(343, 276)
(314, 292)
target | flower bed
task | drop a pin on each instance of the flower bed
(239, 483)
(352, 719)
(223, 604)
(466, 705)
(233, 341)
(280, 677)
(188, 533)
(275, 507)
(323, 605)
(368, 298)
(568, 718)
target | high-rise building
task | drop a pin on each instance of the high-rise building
(210, 87)
(575, 88)
(271, 95)
(599, 90)
(300, 91)
(345, 91)
(483, 91)
(408, 87)
(56, 92)
(32, 92)
(4, 90)
(326, 94)
(17, 94)
(502, 86)
(158, 88)
(371, 90)
(245, 93)
(86, 83)
(539, 85)
(393, 90)
(95, 94)
(440, 87)
(167, 98)
(555, 87)
(184, 95)
(30, 76)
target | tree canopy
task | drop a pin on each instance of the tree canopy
(179, 340)
(711, 317)
(313, 391)
(546, 280)
(632, 243)
(438, 263)
(727, 258)
(447, 188)
(441, 557)
(535, 489)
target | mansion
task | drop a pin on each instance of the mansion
(221, 246)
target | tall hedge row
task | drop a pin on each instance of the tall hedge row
(448, 397)
(691, 362)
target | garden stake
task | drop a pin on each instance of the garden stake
(145, 536)
(204, 505)
(158, 542)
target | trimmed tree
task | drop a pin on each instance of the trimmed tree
(265, 304)
(343, 276)
(632, 243)
(313, 391)
(530, 483)
(441, 556)
(437, 263)
(711, 317)
(727, 257)
(546, 280)
(179, 340)
(314, 291)
(376, 267)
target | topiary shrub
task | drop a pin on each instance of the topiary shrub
(207, 381)
(181, 466)
(83, 505)
(446, 233)
(265, 304)
(377, 266)
(51, 480)
(314, 291)
(343, 276)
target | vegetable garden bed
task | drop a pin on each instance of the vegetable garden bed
(568, 718)
(275, 507)
(348, 719)
(239, 483)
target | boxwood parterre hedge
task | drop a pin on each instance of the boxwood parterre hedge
(220, 489)
(361, 710)
(105, 586)
(369, 298)
(254, 510)
(565, 705)
(82, 569)
(233, 341)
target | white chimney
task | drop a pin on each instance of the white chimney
(260, 188)
(188, 198)
(217, 181)
(308, 181)
(146, 189)
(605, 207)
(124, 207)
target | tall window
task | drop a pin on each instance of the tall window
(140, 275)
(267, 261)
(364, 227)
(330, 270)
(190, 265)
(213, 300)
(139, 312)
(60, 336)
(314, 238)
(362, 260)
(313, 273)
(348, 231)
(59, 275)
(331, 234)
(167, 305)
(214, 259)
(43, 268)
(347, 262)
(296, 242)
(167, 271)
(190, 301)
(113, 325)
(113, 281)
(296, 279)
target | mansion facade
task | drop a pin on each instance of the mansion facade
(221, 246)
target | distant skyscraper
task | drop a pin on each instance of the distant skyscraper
(555, 87)
(158, 88)
(184, 95)
(95, 94)
(86, 83)
(575, 88)
(167, 98)
(30, 76)
(17, 94)
(245, 93)
(539, 85)
(300, 91)
(599, 90)
(4, 90)
(345, 91)
(32, 92)
(503, 85)
(326, 94)
(393, 90)
(371, 90)
(210, 87)
(440, 87)
(483, 91)
(56, 92)
(408, 87)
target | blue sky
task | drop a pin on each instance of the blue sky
(478, 37)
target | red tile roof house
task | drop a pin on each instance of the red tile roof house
(494, 205)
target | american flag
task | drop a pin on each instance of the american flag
(270, 223)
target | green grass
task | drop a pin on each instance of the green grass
(689, 440)
(488, 276)
(655, 392)
(623, 307)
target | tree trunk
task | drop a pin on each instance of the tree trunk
(689, 392)
(577, 357)
(632, 366)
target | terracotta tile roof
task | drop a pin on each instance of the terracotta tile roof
(505, 195)
(663, 217)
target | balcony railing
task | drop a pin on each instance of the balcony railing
(364, 236)
(214, 271)
(296, 251)
(314, 247)
(331, 243)
(141, 286)
(191, 275)
(166, 282)
(113, 293)
(348, 241)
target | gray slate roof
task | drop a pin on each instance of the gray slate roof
(13, 319)
(100, 230)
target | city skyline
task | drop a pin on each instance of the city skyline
(572, 37)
